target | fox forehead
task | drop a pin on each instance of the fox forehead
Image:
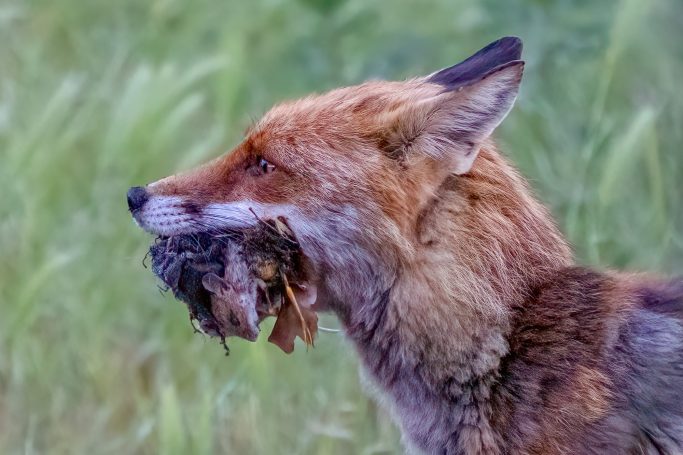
(346, 103)
(348, 113)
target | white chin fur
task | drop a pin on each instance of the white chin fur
(234, 215)
(169, 215)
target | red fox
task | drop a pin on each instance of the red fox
(473, 324)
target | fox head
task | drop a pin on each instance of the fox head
(354, 172)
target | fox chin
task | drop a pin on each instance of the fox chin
(473, 324)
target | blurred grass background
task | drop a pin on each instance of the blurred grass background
(99, 95)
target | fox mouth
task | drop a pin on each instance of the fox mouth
(232, 281)
(169, 216)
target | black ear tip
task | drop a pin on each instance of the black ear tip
(507, 47)
(505, 50)
(511, 41)
(513, 46)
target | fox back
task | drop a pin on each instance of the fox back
(474, 327)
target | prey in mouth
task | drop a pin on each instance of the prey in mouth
(231, 279)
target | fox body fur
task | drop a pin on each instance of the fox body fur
(474, 327)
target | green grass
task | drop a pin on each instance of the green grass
(96, 96)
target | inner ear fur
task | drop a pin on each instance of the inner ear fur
(452, 125)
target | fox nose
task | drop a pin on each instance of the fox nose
(137, 196)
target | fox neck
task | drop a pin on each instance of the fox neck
(431, 322)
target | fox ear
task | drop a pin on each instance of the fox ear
(501, 52)
(452, 125)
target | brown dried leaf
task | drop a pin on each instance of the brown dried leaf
(295, 318)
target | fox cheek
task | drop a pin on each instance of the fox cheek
(341, 245)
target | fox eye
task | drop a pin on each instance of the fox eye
(265, 166)
(262, 166)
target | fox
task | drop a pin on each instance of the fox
(475, 327)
